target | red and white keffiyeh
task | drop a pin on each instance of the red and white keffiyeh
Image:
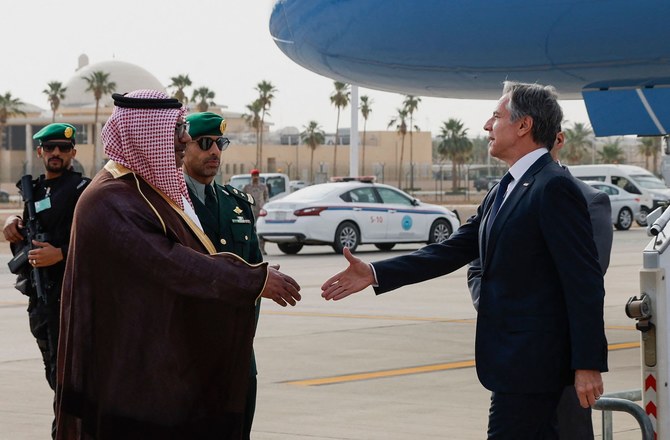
(142, 139)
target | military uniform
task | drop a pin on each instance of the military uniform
(54, 200)
(228, 221)
(232, 229)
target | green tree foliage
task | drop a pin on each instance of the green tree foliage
(612, 152)
(411, 104)
(455, 146)
(366, 109)
(578, 143)
(9, 107)
(205, 97)
(400, 123)
(55, 94)
(99, 84)
(266, 93)
(178, 84)
(340, 99)
(253, 119)
(312, 136)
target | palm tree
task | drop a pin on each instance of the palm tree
(578, 140)
(253, 119)
(340, 99)
(55, 93)
(9, 107)
(98, 83)
(612, 152)
(400, 123)
(266, 93)
(411, 104)
(649, 147)
(313, 136)
(455, 145)
(179, 83)
(206, 98)
(365, 109)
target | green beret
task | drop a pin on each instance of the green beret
(59, 131)
(205, 124)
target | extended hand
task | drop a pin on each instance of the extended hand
(281, 288)
(589, 386)
(353, 279)
(44, 254)
(12, 229)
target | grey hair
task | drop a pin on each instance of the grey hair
(541, 104)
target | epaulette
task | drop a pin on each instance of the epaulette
(240, 194)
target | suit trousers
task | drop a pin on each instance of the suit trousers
(523, 416)
(574, 422)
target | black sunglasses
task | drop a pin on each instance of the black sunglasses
(205, 143)
(64, 147)
(181, 128)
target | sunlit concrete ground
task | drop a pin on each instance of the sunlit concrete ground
(430, 324)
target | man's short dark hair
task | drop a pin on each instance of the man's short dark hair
(540, 103)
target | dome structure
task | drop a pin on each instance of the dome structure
(127, 76)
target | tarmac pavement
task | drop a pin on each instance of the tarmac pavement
(398, 366)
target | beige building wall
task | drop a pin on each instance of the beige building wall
(382, 158)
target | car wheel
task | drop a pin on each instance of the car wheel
(346, 235)
(642, 216)
(385, 246)
(624, 219)
(289, 248)
(439, 230)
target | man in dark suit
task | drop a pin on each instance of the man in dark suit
(225, 213)
(574, 422)
(540, 320)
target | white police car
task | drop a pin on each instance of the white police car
(346, 214)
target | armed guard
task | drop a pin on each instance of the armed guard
(225, 212)
(39, 239)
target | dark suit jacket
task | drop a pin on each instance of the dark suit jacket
(541, 306)
(600, 213)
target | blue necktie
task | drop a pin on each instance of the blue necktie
(500, 195)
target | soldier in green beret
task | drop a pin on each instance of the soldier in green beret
(225, 213)
(55, 195)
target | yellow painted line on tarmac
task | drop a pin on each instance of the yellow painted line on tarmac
(623, 346)
(381, 374)
(620, 327)
(397, 318)
(412, 370)
(353, 316)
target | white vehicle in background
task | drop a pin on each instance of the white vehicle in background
(350, 213)
(295, 185)
(633, 179)
(278, 183)
(625, 206)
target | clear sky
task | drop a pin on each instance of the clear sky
(224, 45)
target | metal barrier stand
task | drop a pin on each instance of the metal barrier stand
(624, 401)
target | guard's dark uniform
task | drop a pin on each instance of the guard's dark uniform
(55, 200)
(233, 230)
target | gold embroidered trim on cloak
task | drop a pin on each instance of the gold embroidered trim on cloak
(117, 170)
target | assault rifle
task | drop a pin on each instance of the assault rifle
(31, 231)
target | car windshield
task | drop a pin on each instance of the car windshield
(312, 193)
(648, 181)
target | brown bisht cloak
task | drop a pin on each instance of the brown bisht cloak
(156, 334)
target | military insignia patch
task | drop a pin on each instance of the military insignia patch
(68, 132)
(237, 210)
(223, 125)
